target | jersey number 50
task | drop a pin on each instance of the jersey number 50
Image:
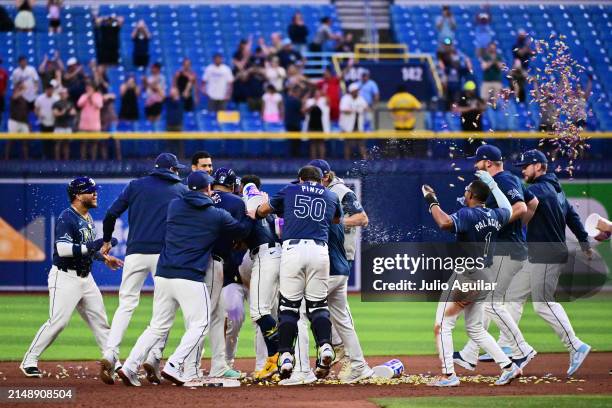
(306, 206)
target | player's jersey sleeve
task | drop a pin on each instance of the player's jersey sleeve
(277, 202)
(461, 219)
(338, 212)
(121, 203)
(512, 189)
(527, 194)
(503, 215)
(350, 204)
(66, 231)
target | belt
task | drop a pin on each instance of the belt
(72, 272)
(319, 242)
(269, 245)
(217, 258)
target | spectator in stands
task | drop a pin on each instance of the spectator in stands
(18, 119)
(155, 90)
(108, 115)
(74, 79)
(4, 78)
(521, 50)
(258, 59)
(272, 105)
(492, 71)
(24, 20)
(323, 35)
(275, 74)
(217, 84)
(293, 118)
(454, 70)
(351, 73)
(90, 103)
(316, 111)
(107, 33)
(471, 107)
(353, 108)
(298, 33)
(174, 120)
(140, 38)
(581, 96)
(242, 56)
(27, 75)
(402, 106)
(518, 79)
(346, 44)
(330, 86)
(130, 92)
(54, 10)
(247, 89)
(43, 107)
(446, 24)
(296, 78)
(186, 82)
(51, 68)
(64, 113)
(483, 34)
(288, 56)
(276, 41)
(368, 89)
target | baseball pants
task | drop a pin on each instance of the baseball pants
(263, 290)
(170, 294)
(68, 291)
(136, 268)
(234, 295)
(446, 318)
(505, 269)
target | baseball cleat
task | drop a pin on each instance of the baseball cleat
(522, 362)
(357, 375)
(107, 369)
(326, 357)
(445, 381)
(171, 373)
(486, 358)
(31, 372)
(235, 374)
(129, 377)
(152, 370)
(577, 358)
(285, 365)
(299, 378)
(270, 368)
(340, 354)
(457, 359)
(509, 374)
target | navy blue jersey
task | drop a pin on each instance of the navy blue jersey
(308, 209)
(230, 267)
(338, 264)
(480, 225)
(263, 232)
(351, 204)
(236, 207)
(72, 228)
(511, 234)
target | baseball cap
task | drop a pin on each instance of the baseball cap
(225, 177)
(353, 87)
(82, 185)
(487, 152)
(322, 165)
(71, 61)
(469, 86)
(531, 157)
(167, 161)
(199, 180)
(308, 171)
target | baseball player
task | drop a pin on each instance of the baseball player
(202, 160)
(193, 226)
(340, 268)
(264, 249)
(473, 223)
(147, 199)
(70, 282)
(234, 294)
(548, 251)
(308, 209)
(511, 252)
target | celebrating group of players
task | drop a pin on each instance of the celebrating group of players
(209, 249)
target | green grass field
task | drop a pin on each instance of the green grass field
(397, 328)
(557, 401)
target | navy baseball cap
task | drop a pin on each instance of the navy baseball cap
(82, 185)
(167, 161)
(199, 180)
(487, 152)
(225, 177)
(531, 157)
(322, 165)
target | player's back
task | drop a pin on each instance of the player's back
(479, 224)
(308, 210)
(236, 207)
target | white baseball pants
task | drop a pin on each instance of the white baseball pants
(234, 295)
(68, 291)
(263, 290)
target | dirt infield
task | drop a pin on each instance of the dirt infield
(544, 375)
